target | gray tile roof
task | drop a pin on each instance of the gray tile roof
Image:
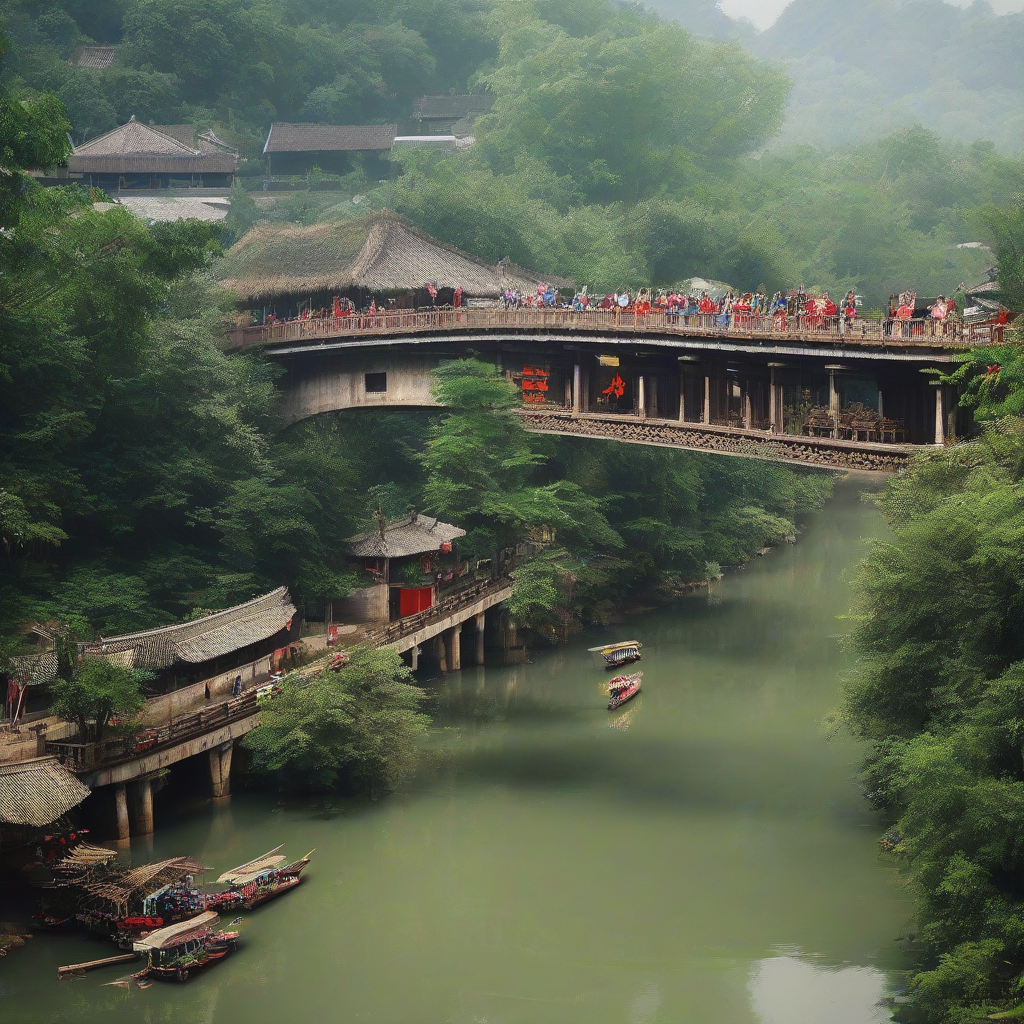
(329, 138)
(413, 535)
(94, 56)
(205, 638)
(38, 791)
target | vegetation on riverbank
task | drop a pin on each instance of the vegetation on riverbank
(939, 695)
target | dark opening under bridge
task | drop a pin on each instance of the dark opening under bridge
(818, 391)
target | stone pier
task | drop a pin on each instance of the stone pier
(220, 769)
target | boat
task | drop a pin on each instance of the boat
(619, 654)
(623, 688)
(257, 881)
(179, 950)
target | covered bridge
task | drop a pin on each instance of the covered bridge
(285, 268)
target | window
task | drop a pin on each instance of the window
(376, 383)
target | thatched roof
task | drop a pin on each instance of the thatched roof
(137, 148)
(381, 253)
(38, 791)
(413, 535)
(329, 138)
(205, 638)
(446, 107)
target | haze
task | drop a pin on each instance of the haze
(763, 13)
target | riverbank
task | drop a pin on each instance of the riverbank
(710, 858)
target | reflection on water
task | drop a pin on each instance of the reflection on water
(555, 865)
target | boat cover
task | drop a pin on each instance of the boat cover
(175, 934)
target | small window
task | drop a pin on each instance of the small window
(376, 383)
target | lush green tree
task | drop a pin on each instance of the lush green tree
(97, 691)
(355, 729)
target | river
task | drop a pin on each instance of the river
(703, 856)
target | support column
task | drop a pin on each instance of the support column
(121, 802)
(682, 397)
(746, 404)
(455, 643)
(414, 657)
(706, 414)
(641, 398)
(577, 396)
(881, 405)
(220, 769)
(143, 807)
(481, 622)
(940, 415)
(833, 398)
(441, 655)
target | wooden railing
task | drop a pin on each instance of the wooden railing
(412, 623)
(116, 749)
(833, 330)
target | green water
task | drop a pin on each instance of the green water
(709, 860)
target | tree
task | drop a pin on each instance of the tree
(354, 730)
(1007, 227)
(97, 691)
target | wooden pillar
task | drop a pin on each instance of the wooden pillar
(706, 414)
(577, 396)
(940, 415)
(220, 769)
(881, 405)
(455, 645)
(121, 802)
(414, 657)
(745, 404)
(481, 622)
(682, 397)
(143, 807)
(833, 399)
(641, 398)
(441, 656)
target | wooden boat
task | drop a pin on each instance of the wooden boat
(623, 688)
(179, 950)
(257, 881)
(619, 654)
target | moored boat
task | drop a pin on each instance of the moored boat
(257, 881)
(177, 951)
(619, 654)
(622, 689)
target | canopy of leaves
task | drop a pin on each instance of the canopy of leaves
(354, 730)
(939, 693)
(97, 691)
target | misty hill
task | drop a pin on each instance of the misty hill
(862, 68)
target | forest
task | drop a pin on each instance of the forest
(145, 475)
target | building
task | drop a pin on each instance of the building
(409, 562)
(299, 148)
(281, 268)
(35, 794)
(137, 155)
(95, 57)
(440, 115)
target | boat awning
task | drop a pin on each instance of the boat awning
(252, 868)
(174, 934)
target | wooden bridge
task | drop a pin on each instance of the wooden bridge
(820, 392)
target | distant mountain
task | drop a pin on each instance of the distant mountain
(702, 18)
(863, 67)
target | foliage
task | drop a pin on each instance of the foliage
(97, 691)
(1007, 227)
(939, 693)
(354, 730)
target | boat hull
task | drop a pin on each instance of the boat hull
(625, 694)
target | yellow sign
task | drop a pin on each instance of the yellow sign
(608, 360)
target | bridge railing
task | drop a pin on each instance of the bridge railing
(864, 331)
(85, 756)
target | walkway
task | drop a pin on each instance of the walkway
(867, 332)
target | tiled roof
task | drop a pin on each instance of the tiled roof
(172, 208)
(381, 253)
(183, 133)
(138, 147)
(443, 107)
(413, 535)
(94, 56)
(205, 638)
(38, 791)
(329, 138)
(34, 667)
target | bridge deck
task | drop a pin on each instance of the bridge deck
(868, 333)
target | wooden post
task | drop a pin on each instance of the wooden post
(833, 399)
(577, 397)
(745, 402)
(706, 416)
(940, 416)
(641, 399)
(481, 622)
(121, 802)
